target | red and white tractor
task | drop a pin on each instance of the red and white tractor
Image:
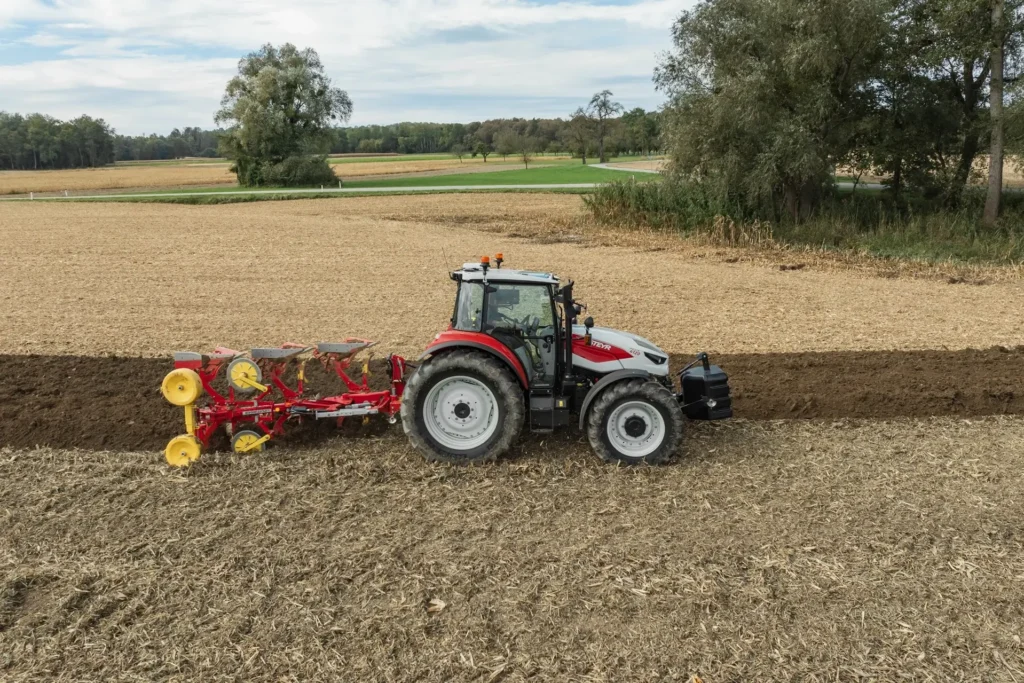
(515, 355)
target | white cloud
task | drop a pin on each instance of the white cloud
(177, 52)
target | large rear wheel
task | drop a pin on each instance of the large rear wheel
(462, 407)
(635, 421)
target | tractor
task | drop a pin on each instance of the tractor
(515, 355)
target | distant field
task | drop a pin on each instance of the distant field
(177, 175)
(540, 175)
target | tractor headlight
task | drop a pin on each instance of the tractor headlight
(657, 360)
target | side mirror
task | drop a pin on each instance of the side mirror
(588, 323)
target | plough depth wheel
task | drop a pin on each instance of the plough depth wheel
(182, 387)
(245, 376)
(248, 441)
(183, 450)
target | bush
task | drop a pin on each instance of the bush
(298, 171)
(868, 221)
(662, 205)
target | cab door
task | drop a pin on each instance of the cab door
(522, 317)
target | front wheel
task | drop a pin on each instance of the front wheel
(635, 421)
(462, 407)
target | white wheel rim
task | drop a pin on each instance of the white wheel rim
(636, 429)
(460, 413)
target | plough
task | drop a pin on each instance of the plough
(258, 401)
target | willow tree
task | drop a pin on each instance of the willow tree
(280, 109)
(764, 97)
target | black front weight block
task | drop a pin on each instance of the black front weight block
(705, 391)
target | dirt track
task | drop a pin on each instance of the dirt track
(115, 403)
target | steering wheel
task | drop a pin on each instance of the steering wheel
(530, 325)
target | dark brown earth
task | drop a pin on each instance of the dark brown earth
(109, 403)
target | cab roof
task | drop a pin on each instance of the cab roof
(474, 272)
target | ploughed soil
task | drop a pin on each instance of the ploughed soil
(114, 403)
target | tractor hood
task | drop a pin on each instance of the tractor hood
(611, 350)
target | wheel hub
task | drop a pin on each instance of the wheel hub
(462, 410)
(635, 426)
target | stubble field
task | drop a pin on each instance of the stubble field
(858, 521)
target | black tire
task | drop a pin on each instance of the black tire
(508, 395)
(648, 392)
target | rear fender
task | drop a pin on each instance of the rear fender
(452, 339)
(605, 382)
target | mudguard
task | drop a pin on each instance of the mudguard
(473, 340)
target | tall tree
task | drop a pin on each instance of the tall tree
(279, 109)
(766, 97)
(995, 160)
(602, 108)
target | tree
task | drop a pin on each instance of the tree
(459, 150)
(483, 149)
(995, 160)
(579, 133)
(765, 97)
(279, 109)
(602, 108)
(525, 147)
(505, 143)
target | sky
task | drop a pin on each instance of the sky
(148, 66)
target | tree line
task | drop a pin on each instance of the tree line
(632, 132)
(38, 141)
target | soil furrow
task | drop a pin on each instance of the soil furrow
(114, 403)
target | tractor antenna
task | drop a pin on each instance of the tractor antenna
(445, 257)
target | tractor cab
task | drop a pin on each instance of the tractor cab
(516, 308)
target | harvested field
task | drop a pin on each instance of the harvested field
(199, 174)
(860, 521)
(147, 279)
(798, 551)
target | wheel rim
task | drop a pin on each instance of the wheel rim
(243, 442)
(460, 413)
(241, 371)
(182, 451)
(636, 429)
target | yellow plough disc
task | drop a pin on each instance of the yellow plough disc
(181, 387)
(183, 450)
(245, 376)
(248, 441)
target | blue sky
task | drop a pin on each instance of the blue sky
(147, 66)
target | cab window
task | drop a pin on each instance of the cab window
(524, 308)
(469, 307)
